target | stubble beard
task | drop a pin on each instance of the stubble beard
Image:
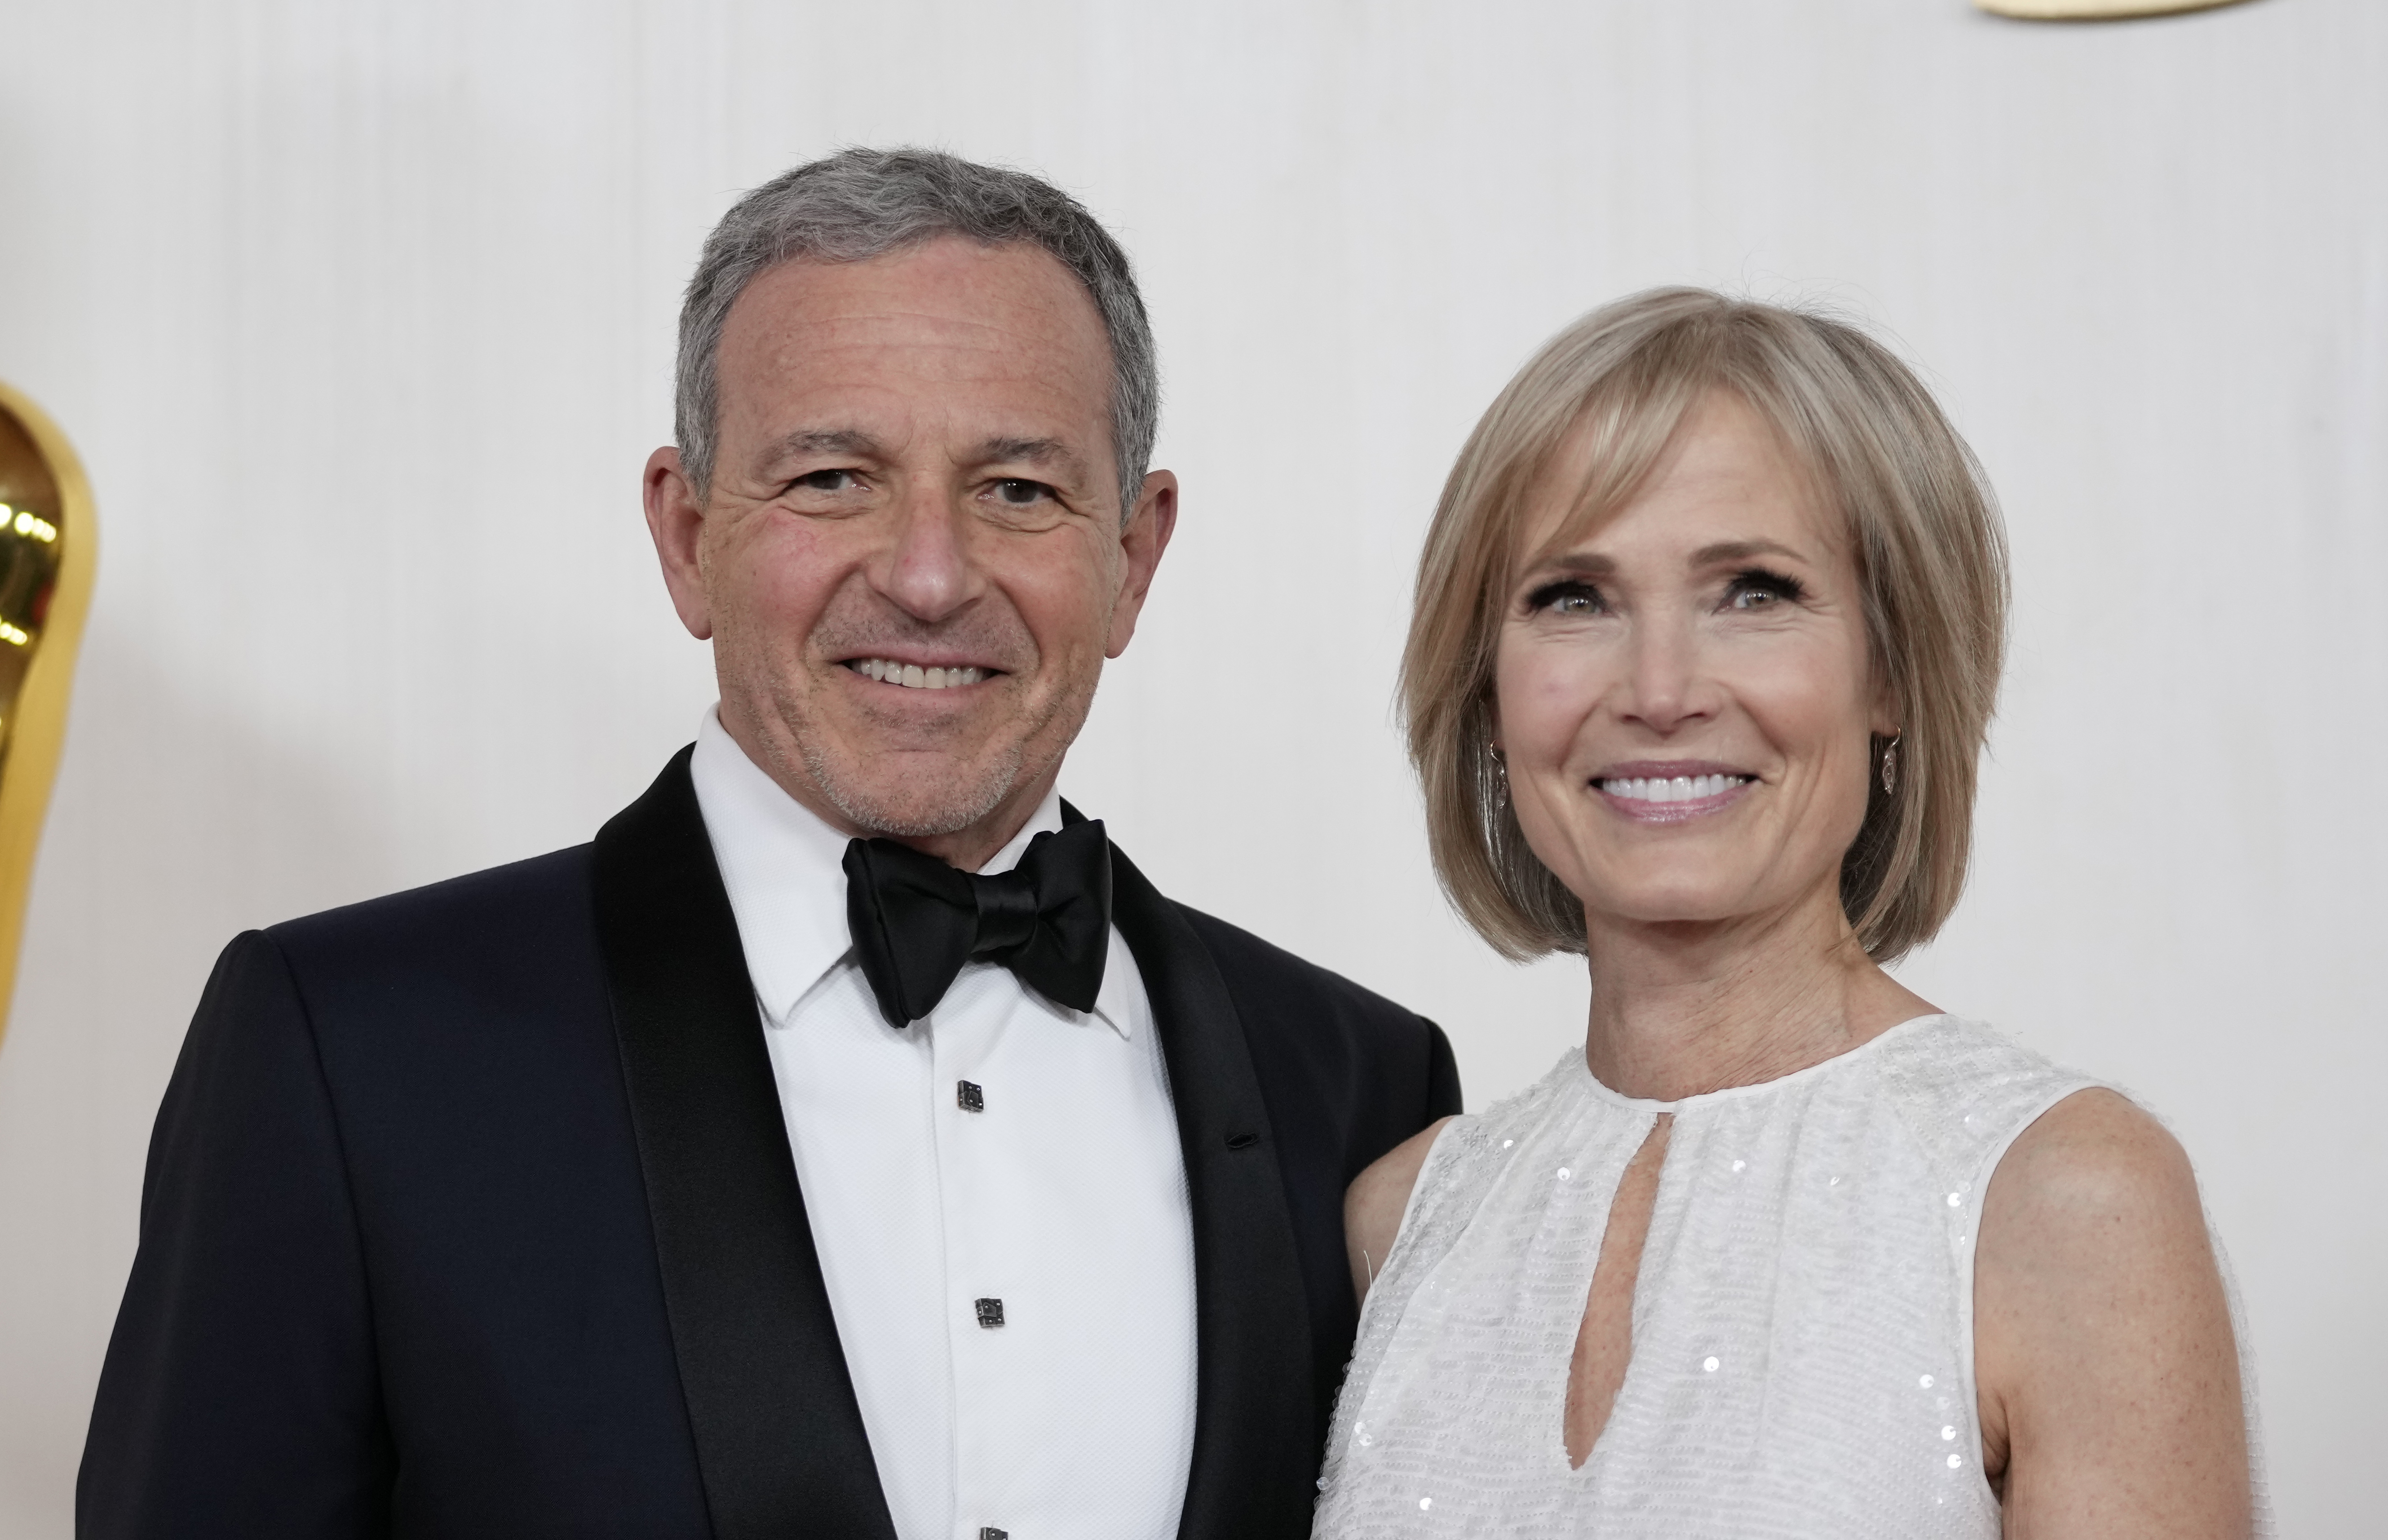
(974, 786)
(948, 808)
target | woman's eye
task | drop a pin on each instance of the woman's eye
(1750, 590)
(1574, 599)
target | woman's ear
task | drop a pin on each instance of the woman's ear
(1885, 717)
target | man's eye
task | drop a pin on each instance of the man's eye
(1568, 598)
(824, 481)
(1013, 492)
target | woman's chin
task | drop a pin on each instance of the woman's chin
(1679, 906)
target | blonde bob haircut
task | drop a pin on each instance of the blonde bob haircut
(1931, 560)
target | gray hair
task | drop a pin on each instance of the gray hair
(863, 203)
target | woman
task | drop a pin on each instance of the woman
(1706, 639)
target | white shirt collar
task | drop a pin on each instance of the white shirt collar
(783, 868)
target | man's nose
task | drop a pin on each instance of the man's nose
(928, 570)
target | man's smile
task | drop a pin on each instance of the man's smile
(914, 675)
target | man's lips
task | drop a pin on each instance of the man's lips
(1671, 791)
(951, 675)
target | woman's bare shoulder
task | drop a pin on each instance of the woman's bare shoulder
(2107, 1369)
(2092, 1162)
(1374, 1202)
(2094, 1190)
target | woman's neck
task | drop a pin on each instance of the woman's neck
(1682, 1009)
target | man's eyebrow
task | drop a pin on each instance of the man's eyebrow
(1027, 452)
(825, 441)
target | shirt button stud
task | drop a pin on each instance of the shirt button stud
(988, 1532)
(969, 1098)
(990, 1312)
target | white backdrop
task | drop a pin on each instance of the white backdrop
(362, 315)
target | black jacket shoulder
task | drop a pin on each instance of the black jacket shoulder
(1349, 1046)
(528, 915)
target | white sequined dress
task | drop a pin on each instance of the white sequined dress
(1803, 1331)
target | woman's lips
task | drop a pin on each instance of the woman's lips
(1671, 798)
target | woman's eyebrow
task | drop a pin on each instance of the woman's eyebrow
(1741, 550)
(1591, 564)
(1573, 564)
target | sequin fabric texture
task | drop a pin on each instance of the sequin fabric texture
(1802, 1356)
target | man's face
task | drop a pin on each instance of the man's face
(911, 561)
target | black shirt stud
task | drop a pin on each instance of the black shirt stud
(990, 1312)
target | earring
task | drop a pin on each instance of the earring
(1890, 765)
(1501, 771)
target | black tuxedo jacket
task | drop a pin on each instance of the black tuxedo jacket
(470, 1212)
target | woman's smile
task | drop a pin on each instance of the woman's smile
(1650, 791)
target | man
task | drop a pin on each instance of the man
(848, 1142)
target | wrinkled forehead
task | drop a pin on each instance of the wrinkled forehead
(950, 306)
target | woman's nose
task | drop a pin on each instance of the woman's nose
(1664, 675)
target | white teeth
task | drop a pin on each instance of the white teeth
(913, 677)
(1679, 788)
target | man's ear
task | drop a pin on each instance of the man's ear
(1146, 537)
(676, 520)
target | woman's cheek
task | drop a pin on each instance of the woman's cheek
(1543, 697)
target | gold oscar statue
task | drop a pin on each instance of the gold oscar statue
(45, 567)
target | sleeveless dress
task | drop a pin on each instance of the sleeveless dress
(1803, 1334)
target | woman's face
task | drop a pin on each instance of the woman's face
(1683, 696)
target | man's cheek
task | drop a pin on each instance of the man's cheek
(1067, 612)
(788, 593)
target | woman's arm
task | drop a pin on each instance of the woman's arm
(1373, 1204)
(2108, 1377)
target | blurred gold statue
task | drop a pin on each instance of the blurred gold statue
(46, 568)
(2094, 10)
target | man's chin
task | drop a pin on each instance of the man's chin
(905, 800)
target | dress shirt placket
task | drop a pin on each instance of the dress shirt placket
(984, 1297)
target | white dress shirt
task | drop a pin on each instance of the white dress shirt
(1060, 1203)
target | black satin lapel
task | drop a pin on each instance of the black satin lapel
(779, 1439)
(1255, 1434)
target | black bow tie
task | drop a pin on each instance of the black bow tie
(916, 921)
